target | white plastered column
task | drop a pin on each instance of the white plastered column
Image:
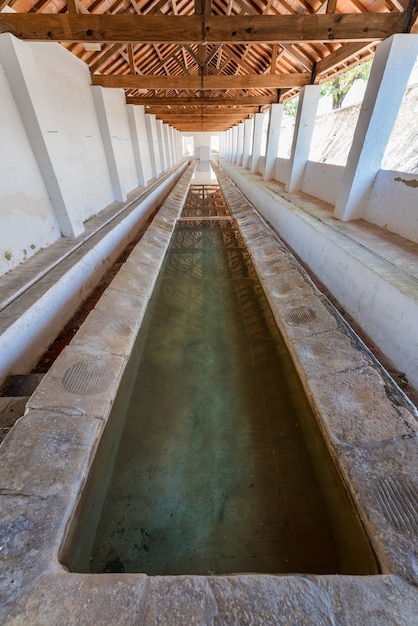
(257, 139)
(273, 135)
(24, 81)
(248, 142)
(170, 145)
(229, 144)
(234, 144)
(161, 145)
(150, 122)
(392, 65)
(136, 117)
(302, 137)
(240, 148)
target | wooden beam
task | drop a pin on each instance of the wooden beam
(132, 66)
(4, 3)
(331, 6)
(239, 81)
(301, 58)
(197, 110)
(273, 58)
(187, 29)
(302, 28)
(104, 55)
(177, 102)
(335, 58)
(191, 114)
(72, 7)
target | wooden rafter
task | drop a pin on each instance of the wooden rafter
(239, 81)
(187, 29)
(210, 101)
(208, 64)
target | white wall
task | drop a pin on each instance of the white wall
(322, 181)
(136, 117)
(201, 143)
(393, 203)
(116, 135)
(74, 141)
(282, 168)
(27, 219)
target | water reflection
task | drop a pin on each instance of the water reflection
(204, 174)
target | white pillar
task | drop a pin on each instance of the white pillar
(167, 146)
(229, 144)
(392, 65)
(179, 145)
(22, 75)
(161, 145)
(153, 144)
(234, 143)
(275, 121)
(172, 146)
(240, 149)
(302, 137)
(99, 96)
(248, 142)
(136, 117)
(223, 145)
(257, 139)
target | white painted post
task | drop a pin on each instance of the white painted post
(273, 135)
(102, 116)
(222, 146)
(392, 65)
(24, 81)
(234, 143)
(257, 139)
(240, 148)
(153, 144)
(161, 145)
(170, 132)
(136, 117)
(248, 142)
(302, 137)
(166, 137)
(229, 140)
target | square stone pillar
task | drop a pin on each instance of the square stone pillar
(257, 139)
(392, 65)
(302, 136)
(248, 142)
(154, 150)
(240, 148)
(136, 117)
(273, 135)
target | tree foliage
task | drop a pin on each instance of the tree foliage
(290, 107)
(339, 86)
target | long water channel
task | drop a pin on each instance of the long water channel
(220, 468)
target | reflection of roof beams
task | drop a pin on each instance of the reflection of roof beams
(188, 29)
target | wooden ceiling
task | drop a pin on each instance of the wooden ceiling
(202, 65)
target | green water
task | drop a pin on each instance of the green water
(213, 475)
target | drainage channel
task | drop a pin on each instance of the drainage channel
(220, 468)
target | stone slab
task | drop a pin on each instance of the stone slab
(82, 381)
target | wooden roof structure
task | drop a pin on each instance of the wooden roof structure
(206, 65)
